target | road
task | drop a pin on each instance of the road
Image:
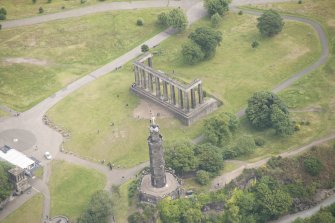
(48, 139)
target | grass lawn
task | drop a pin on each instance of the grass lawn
(38, 60)
(71, 188)
(91, 131)
(39, 172)
(121, 206)
(125, 143)
(25, 8)
(29, 212)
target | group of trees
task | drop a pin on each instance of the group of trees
(185, 157)
(6, 186)
(99, 208)
(267, 110)
(325, 215)
(176, 18)
(203, 44)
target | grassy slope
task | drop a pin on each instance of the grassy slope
(25, 8)
(29, 212)
(222, 75)
(71, 48)
(314, 91)
(71, 188)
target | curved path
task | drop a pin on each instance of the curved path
(48, 139)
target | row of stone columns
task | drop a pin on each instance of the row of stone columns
(152, 83)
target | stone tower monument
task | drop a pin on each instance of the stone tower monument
(158, 183)
(156, 153)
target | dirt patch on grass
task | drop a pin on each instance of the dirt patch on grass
(147, 109)
(331, 22)
(20, 60)
(296, 53)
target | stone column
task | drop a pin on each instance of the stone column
(187, 101)
(144, 79)
(150, 61)
(158, 87)
(200, 93)
(151, 85)
(165, 91)
(172, 94)
(137, 76)
(180, 98)
(193, 100)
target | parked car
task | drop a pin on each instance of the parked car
(47, 155)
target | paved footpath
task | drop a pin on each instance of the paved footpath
(50, 140)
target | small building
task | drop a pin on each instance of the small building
(16, 158)
(19, 179)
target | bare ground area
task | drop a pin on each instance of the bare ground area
(19, 60)
(147, 109)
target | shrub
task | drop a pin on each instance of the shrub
(216, 20)
(240, 12)
(40, 10)
(140, 22)
(0, 26)
(254, 44)
(162, 19)
(300, 2)
(202, 177)
(297, 127)
(49, 1)
(313, 165)
(192, 53)
(82, 1)
(2, 16)
(259, 141)
(144, 48)
(245, 145)
(3, 11)
(33, 1)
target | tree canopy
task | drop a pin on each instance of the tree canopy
(175, 18)
(207, 39)
(217, 6)
(5, 185)
(210, 158)
(192, 53)
(219, 129)
(265, 109)
(270, 23)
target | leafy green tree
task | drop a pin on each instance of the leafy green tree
(271, 200)
(144, 48)
(207, 39)
(281, 121)
(245, 145)
(192, 53)
(177, 19)
(217, 6)
(216, 20)
(219, 129)
(3, 11)
(210, 158)
(202, 177)
(322, 216)
(181, 158)
(2, 16)
(5, 185)
(260, 108)
(99, 208)
(163, 19)
(313, 165)
(270, 23)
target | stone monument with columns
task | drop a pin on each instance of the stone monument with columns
(158, 183)
(186, 101)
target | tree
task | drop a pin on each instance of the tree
(192, 53)
(216, 20)
(210, 158)
(207, 39)
(177, 19)
(33, 1)
(270, 23)
(202, 177)
(98, 210)
(3, 11)
(260, 108)
(281, 121)
(144, 48)
(6, 186)
(40, 10)
(245, 145)
(217, 6)
(163, 19)
(219, 129)
(181, 158)
(313, 165)
(322, 216)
